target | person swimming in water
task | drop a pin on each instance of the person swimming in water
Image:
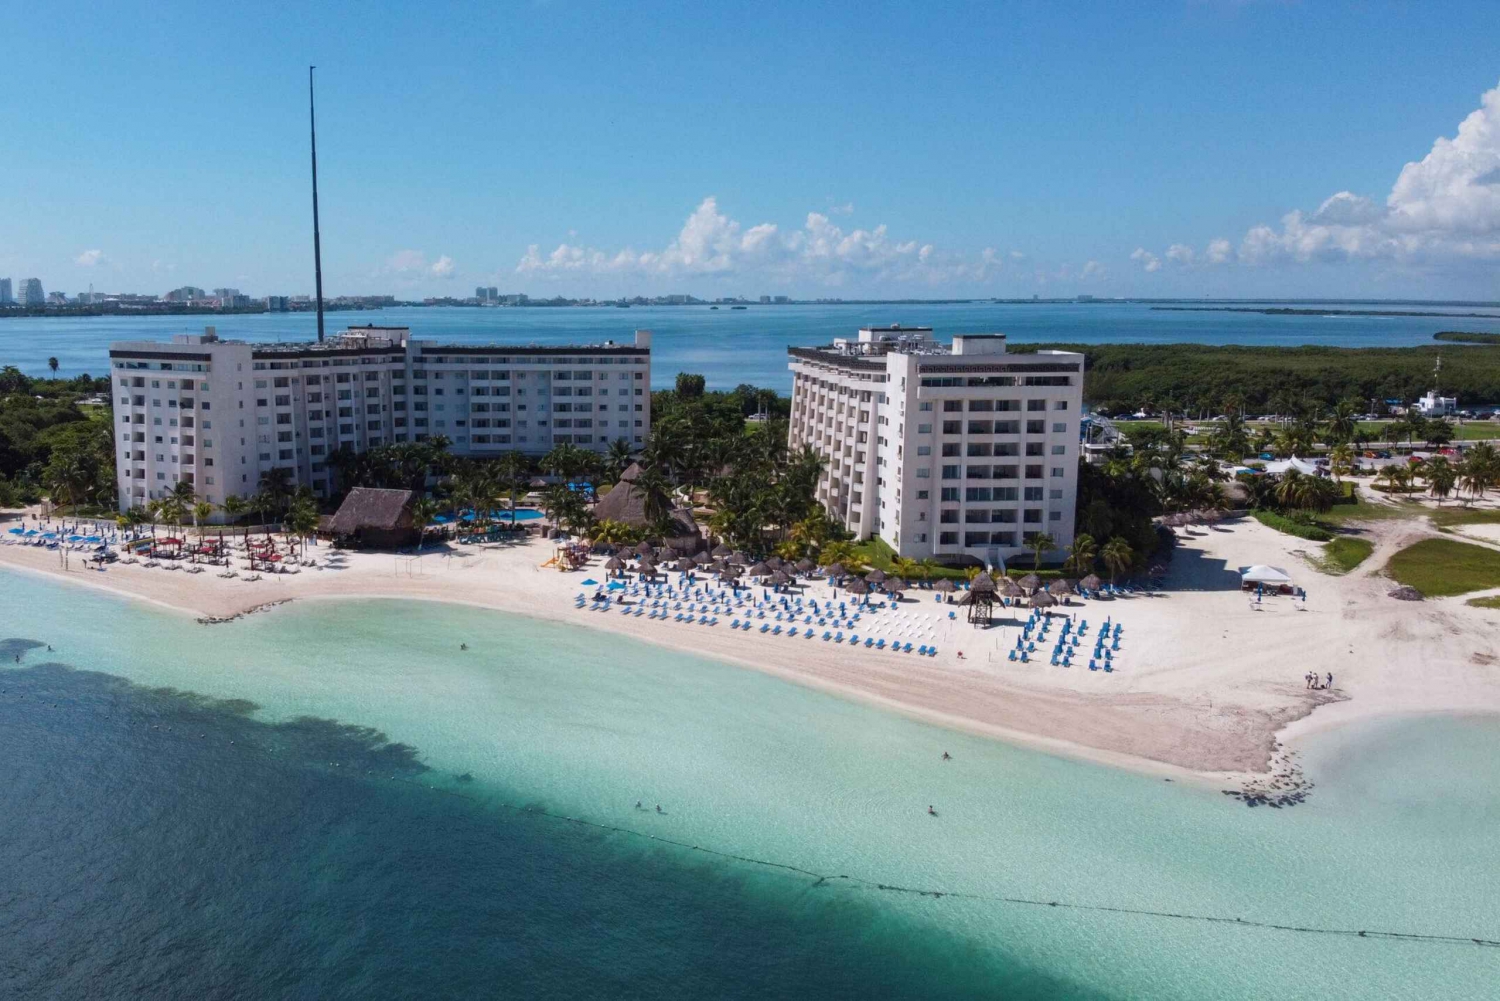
(930, 811)
(638, 805)
(947, 756)
(463, 646)
(658, 808)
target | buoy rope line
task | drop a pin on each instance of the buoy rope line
(822, 878)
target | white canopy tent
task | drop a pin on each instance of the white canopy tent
(1264, 576)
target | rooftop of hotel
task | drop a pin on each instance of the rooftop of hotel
(875, 343)
(370, 338)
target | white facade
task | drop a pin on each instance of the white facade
(220, 414)
(5, 294)
(31, 293)
(1433, 405)
(942, 450)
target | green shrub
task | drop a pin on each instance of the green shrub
(1302, 530)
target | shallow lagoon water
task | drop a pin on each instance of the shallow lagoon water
(1399, 835)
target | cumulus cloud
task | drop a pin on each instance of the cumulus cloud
(413, 264)
(1180, 253)
(1093, 269)
(711, 244)
(1445, 206)
(1220, 251)
(89, 258)
(1149, 261)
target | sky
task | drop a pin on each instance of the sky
(1245, 148)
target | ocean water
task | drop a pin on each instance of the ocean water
(332, 800)
(730, 347)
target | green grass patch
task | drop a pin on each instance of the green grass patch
(1441, 567)
(1344, 554)
(1491, 602)
(1280, 522)
(1447, 517)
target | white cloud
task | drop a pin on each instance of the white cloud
(1180, 253)
(413, 264)
(90, 258)
(1093, 269)
(845, 209)
(1149, 261)
(711, 244)
(1220, 251)
(1444, 206)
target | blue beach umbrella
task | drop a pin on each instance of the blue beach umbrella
(615, 585)
(17, 531)
(591, 581)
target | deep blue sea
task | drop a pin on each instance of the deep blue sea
(730, 347)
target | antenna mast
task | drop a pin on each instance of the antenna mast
(312, 119)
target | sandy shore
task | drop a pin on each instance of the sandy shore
(1205, 683)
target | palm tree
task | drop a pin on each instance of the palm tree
(1479, 469)
(926, 566)
(1081, 554)
(1118, 557)
(1440, 476)
(903, 567)
(1342, 423)
(52, 364)
(423, 510)
(1041, 543)
(617, 459)
(302, 519)
(656, 497)
(234, 508)
(1341, 459)
(202, 511)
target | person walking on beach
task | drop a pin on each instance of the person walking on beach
(1330, 680)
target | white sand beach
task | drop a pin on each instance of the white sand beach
(1205, 681)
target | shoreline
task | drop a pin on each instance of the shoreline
(1201, 694)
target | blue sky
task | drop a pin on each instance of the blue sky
(797, 148)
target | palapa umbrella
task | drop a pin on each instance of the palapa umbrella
(1010, 589)
(738, 558)
(856, 586)
(774, 561)
(945, 585)
(984, 582)
(685, 566)
(1059, 587)
(1091, 582)
(875, 576)
(722, 550)
(1042, 600)
(805, 564)
(780, 577)
(836, 570)
(644, 547)
(614, 563)
(1030, 582)
(759, 570)
(666, 553)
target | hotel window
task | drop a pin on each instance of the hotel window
(924, 429)
(1060, 405)
(1035, 405)
(1032, 516)
(1033, 472)
(950, 472)
(1059, 450)
(947, 538)
(1054, 516)
(953, 406)
(948, 516)
(1059, 428)
(1035, 448)
(1034, 493)
(924, 473)
(1057, 472)
(1055, 493)
(1036, 427)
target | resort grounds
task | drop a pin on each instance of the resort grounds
(1205, 683)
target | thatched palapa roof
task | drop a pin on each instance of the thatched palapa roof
(627, 505)
(371, 508)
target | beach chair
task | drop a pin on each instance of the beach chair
(734, 624)
(907, 649)
(1108, 668)
(1093, 664)
(1012, 653)
(792, 633)
(765, 628)
(932, 651)
(853, 640)
(807, 634)
(880, 644)
(776, 631)
(923, 650)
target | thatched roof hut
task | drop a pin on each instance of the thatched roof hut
(856, 586)
(1030, 582)
(1010, 589)
(836, 570)
(984, 582)
(1091, 582)
(627, 505)
(945, 585)
(721, 550)
(759, 570)
(875, 576)
(614, 563)
(381, 519)
(804, 565)
(1041, 599)
(1059, 588)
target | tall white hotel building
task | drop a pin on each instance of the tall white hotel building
(219, 414)
(942, 450)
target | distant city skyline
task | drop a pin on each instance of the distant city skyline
(1182, 149)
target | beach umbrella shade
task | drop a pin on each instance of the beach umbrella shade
(836, 570)
(1059, 587)
(893, 586)
(614, 563)
(759, 570)
(666, 553)
(589, 581)
(984, 582)
(774, 561)
(805, 564)
(738, 558)
(1042, 599)
(644, 547)
(1091, 582)
(944, 585)
(875, 576)
(780, 577)
(721, 550)
(1010, 589)
(856, 586)
(1031, 582)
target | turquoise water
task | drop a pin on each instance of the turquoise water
(730, 347)
(1401, 833)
